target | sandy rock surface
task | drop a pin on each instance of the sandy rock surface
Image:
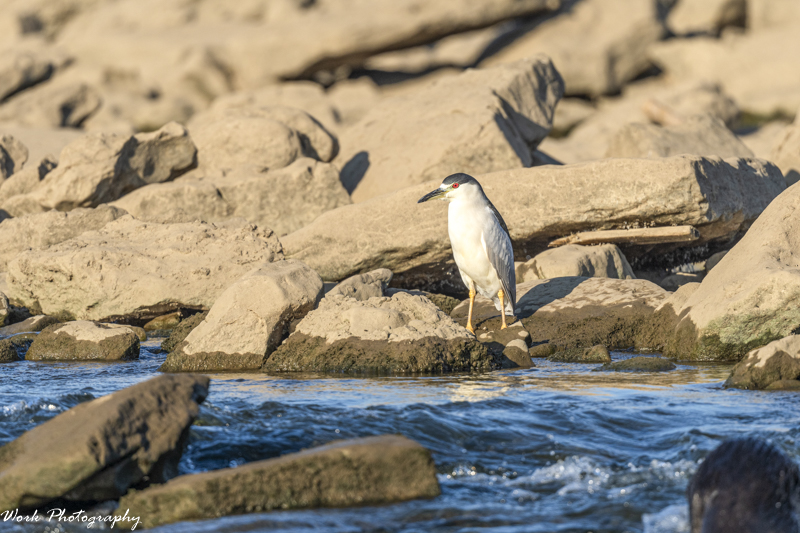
(249, 319)
(84, 340)
(128, 435)
(786, 152)
(139, 270)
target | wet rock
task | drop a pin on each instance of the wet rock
(597, 46)
(479, 121)
(249, 319)
(51, 105)
(140, 333)
(362, 287)
(182, 330)
(639, 364)
(402, 334)
(701, 135)
(604, 261)
(516, 352)
(509, 346)
(85, 341)
(369, 471)
(100, 168)
(138, 270)
(569, 315)
(285, 199)
(42, 230)
(747, 300)
(785, 385)
(98, 449)
(33, 324)
(719, 198)
(13, 156)
(14, 348)
(163, 322)
(740, 63)
(760, 368)
(786, 153)
(744, 484)
(692, 18)
(595, 354)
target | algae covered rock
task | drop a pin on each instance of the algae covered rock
(639, 364)
(595, 354)
(769, 365)
(84, 340)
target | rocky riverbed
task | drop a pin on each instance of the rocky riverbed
(211, 253)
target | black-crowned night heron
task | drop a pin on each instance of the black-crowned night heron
(481, 243)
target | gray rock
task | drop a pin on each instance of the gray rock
(604, 261)
(480, 121)
(98, 449)
(777, 361)
(363, 286)
(249, 319)
(701, 135)
(639, 364)
(138, 270)
(43, 230)
(370, 471)
(85, 341)
(595, 354)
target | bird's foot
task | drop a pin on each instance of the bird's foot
(470, 329)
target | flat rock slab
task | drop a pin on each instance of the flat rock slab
(139, 270)
(368, 471)
(540, 204)
(84, 340)
(763, 367)
(569, 315)
(639, 364)
(98, 449)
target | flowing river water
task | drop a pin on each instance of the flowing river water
(556, 448)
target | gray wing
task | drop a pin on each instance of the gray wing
(501, 255)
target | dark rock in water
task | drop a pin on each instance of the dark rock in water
(516, 354)
(30, 324)
(541, 350)
(182, 330)
(98, 449)
(595, 354)
(302, 353)
(14, 348)
(168, 321)
(84, 340)
(639, 364)
(776, 362)
(509, 346)
(745, 486)
(784, 384)
(369, 471)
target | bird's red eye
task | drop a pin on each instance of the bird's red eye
(455, 185)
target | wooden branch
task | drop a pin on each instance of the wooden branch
(662, 235)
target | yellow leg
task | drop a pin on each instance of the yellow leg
(469, 316)
(502, 308)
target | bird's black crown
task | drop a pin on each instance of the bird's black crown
(460, 178)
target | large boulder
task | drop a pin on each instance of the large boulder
(369, 471)
(138, 270)
(284, 199)
(597, 46)
(568, 315)
(98, 449)
(100, 168)
(751, 296)
(770, 364)
(249, 319)
(701, 135)
(604, 261)
(719, 198)
(740, 63)
(786, 153)
(42, 230)
(479, 121)
(84, 341)
(402, 334)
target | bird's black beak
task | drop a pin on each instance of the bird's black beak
(436, 193)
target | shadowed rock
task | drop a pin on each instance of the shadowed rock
(775, 362)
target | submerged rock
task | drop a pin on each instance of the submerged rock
(639, 364)
(138, 270)
(98, 449)
(402, 334)
(368, 471)
(85, 341)
(777, 361)
(595, 354)
(248, 320)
